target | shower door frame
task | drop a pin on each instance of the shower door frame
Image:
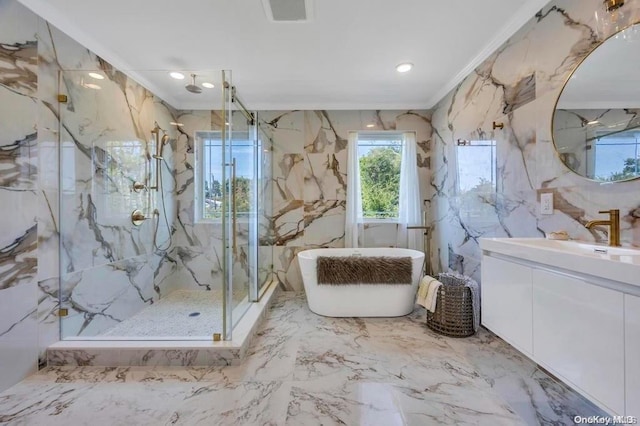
(229, 218)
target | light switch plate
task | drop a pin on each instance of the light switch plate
(546, 203)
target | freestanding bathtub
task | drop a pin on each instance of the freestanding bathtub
(360, 300)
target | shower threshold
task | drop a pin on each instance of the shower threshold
(161, 352)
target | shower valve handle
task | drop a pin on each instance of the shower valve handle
(138, 217)
(139, 186)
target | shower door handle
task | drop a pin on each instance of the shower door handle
(234, 217)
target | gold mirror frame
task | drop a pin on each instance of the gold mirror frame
(555, 107)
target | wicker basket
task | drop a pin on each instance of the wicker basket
(453, 315)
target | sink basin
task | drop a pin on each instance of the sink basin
(620, 264)
(577, 247)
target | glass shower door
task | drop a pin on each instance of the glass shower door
(240, 150)
(104, 261)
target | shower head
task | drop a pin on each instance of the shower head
(192, 87)
(160, 147)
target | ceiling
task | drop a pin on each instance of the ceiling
(343, 58)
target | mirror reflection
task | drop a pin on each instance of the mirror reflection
(596, 123)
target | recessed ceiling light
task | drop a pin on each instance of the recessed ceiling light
(404, 67)
(96, 76)
(177, 75)
(91, 86)
(173, 123)
(593, 122)
(208, 85)
(371, 125)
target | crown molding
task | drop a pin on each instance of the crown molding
(46, 11)
(524, 14)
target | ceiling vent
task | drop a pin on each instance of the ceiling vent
(288, 10)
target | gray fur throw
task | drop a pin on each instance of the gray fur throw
(364, 270)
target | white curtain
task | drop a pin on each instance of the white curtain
(353, 218)
(410, 204)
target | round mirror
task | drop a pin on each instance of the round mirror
(596, 122)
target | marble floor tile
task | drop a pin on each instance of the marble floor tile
(534, 395)
(124, 403)
(378, 403)
(363, 403)
(305, 369)
(346, 358)
(75, 374)
(31, 403)
(271, 356)
(168, 374)
(253, 403)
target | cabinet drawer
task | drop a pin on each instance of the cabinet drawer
(578, 333)
(507, 300)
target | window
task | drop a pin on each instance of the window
(209, 174)
(379, 156)
(477, 186)
(476, 166)
(617, 157)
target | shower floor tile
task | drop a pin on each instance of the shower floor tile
(183, 313)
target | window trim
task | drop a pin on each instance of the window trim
(199, 146)
(492, 143)
(200, 138)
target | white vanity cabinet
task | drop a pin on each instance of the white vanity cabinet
(578, 334)
(571, 307)
(632, 353)
(506, 303)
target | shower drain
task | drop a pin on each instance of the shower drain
(194, 314)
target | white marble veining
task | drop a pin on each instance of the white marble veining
(518, 86)
(19, 195)
(309, 178)
(304, 369)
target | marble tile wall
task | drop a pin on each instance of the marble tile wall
(19, 193)
(518, 86)
(198, 248)
(109, 268)
(198, 245)
(309, 179)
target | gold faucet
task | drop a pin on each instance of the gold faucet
(613, 223)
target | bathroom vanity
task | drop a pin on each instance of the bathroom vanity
(573, 308)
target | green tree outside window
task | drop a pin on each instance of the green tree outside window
(380, 182)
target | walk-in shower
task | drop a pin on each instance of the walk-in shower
(160, 206)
